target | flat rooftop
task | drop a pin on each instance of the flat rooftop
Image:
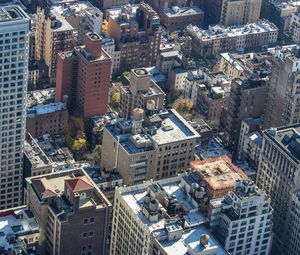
(12, 13)
(18, 222)
(136, 198)
(217, 31)
(288, 139)
(190, 240)
(174, 128)
(219, 173)
(182, 11)
(35, 154)
(45, 109)
(38, 97)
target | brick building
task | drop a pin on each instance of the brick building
(84, 76)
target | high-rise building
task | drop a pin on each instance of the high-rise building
(62, 27)
(53, 34)
(283, 107)
(71, 211)
(247, 99)
(238, 12)
(278, 174)
(244, 219)
(14, 55)
(137, 34)
(84, 76)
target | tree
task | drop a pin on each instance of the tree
(115, 100)
(97, 154)
(183, 106)
(79, 145)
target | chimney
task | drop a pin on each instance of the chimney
(93, 43)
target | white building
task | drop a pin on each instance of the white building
(245, 224)
(14, 55)
(161, 218)
(108, 44)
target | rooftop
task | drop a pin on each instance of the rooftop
(288, 139)
(35, 154)
(176, 11)
(76, 180)
(172, 128)
(170, 215)
(38, 97)
(12, 13)
(212, 149)
(218, 31)
(45, 109)
(190, 240)
(53, 147)
(218, 173)
(14, 224)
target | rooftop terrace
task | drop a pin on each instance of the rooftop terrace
(219, 173)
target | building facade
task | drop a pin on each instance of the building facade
(278, 175)
(83, 75)
(71, 211)
(14, 50)
(283, 99)
(245, 220)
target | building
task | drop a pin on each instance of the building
(235, 65)
(178, 18)
(53, 34)
(209, 92)
(36, 162)
(155, 144)
(278, 175)
(242, 219)
(137, 34)
(97, 124)
(71, 211)
(247, 99)
(280, 14)
(219, 174)
(294, 29)
(62, 27)
(283, 106)
(217, 39)
(20, 231)
(108, 44)
(161, 218)
(77, 79)
(294, 245)
(167, 60)
(250, 140)
(142, 92)
(238, 12)
(59, 156)
(176, 78)
(212, 10)
(14, 48)
(49, 119)
(108, 4)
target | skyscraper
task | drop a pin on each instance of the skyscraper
(14, 50)
(278, 174)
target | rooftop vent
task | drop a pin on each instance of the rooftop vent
(204, 240)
